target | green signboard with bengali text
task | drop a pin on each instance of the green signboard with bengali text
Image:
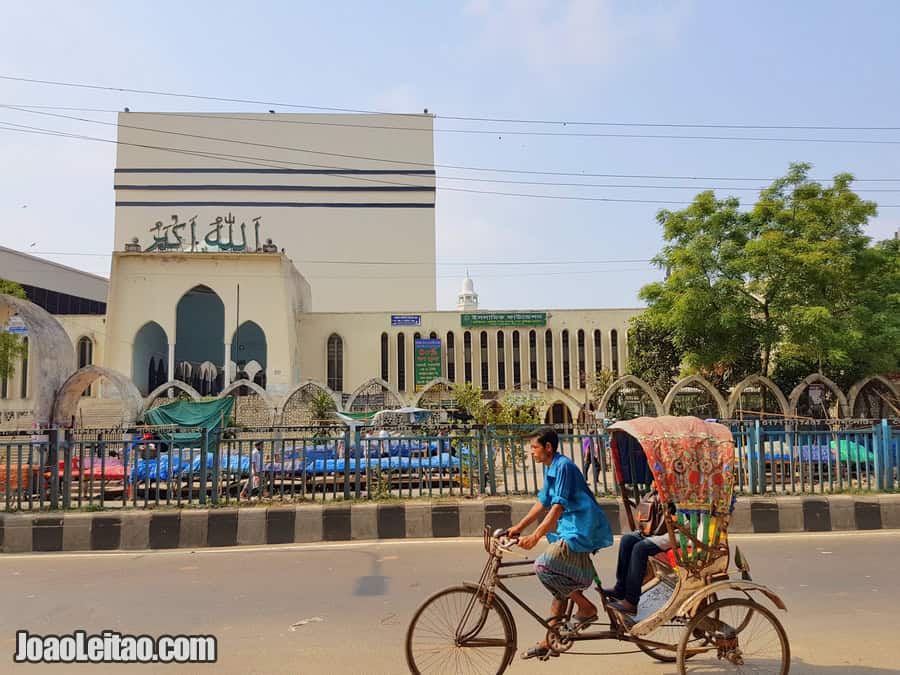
(427, 361)
(497, 319)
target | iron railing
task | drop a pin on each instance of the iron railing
(56, 468)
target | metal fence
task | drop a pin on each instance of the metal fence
(111, 468)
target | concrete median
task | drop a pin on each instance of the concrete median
(302, 523)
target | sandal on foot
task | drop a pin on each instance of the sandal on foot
(619, 607)
(577, 623)
(612, 593)
(538, 652)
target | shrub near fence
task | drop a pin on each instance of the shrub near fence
(111, 468)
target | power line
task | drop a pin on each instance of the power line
(238, 158)
(265, 119)
(381, 181)
(508, 120)
(582, 174)
(517, 133)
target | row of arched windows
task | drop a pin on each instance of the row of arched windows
(563, 379)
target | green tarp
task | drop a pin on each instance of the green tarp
(209, 415)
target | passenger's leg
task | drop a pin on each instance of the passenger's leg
(636, 569)
(626, 544)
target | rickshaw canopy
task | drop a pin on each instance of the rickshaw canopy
(691, 461)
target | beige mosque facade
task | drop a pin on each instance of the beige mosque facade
(257, 256)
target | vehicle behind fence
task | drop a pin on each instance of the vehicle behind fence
(107, 468)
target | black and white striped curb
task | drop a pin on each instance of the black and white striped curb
(304, 523)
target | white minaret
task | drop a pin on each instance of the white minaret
(467, 300)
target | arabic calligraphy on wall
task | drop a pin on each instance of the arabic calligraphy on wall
(181, 235)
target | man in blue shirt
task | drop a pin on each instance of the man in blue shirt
(575, 526)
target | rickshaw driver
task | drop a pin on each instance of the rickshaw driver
(575, 526)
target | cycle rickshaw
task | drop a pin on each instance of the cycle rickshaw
(695, 610)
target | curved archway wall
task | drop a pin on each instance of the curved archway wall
(884, 402)
(149, 357)
(816, 378)
(65, 404)
(51, 354)
(716, 402)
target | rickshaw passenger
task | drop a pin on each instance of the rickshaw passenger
(575, 526)
(635, 550)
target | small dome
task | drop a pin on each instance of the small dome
(468, 285)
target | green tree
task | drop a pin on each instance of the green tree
(12, 348)
(322, 408)
(515, 408)
(794, 278)
(653, 355)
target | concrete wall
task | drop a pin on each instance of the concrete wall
(309, 182)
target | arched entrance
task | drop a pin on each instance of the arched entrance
(695, 396)
(149, 357)
(558, 414)
(249, 353)
(630, 397)
(757, 396)
(875, 397)
(373, 396)
(200, 340)
(307, 404)
(818, 397)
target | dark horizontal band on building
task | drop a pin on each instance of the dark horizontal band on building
(322, 205)
(313, 172)
(285, 188)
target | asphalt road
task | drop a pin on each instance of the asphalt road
(842, 593)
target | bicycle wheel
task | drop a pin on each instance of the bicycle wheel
(454, 631)
(671, 633)
(741, 636)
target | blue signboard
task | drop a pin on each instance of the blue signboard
(406, 319)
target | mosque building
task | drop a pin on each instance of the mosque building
(272, 257)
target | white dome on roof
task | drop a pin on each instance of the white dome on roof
(467, 300)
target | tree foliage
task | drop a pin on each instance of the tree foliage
(513, 409)
(12, 347)
(794, 280)
(653, 355)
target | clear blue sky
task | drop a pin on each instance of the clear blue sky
(808, 63)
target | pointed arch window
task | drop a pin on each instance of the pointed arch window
(582, 368)
(401, 362)
(598, 351)
(485, 381)
(614, 350)
(501, 361)
(385, 364)
(532, 359)
(467, 356)
(451, 357)
(517, 360)
(336, 363)
(566, 375)
(548, 344)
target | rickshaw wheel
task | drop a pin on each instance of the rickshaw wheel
(736, 631)
(671, 633)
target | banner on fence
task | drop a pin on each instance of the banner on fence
(427, 361)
